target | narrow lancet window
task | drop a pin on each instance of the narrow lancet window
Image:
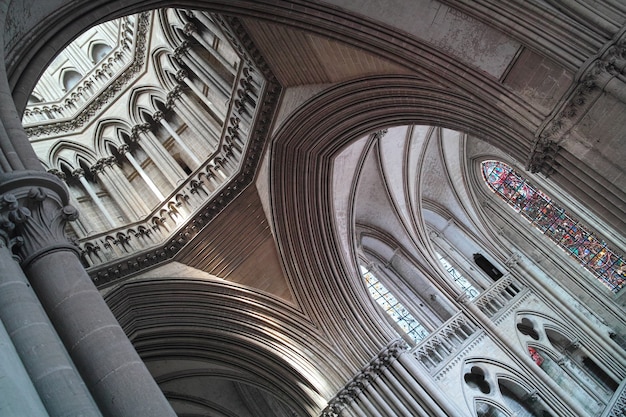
(555, 222)
(393, 307)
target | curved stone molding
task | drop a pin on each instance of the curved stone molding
(370, 372)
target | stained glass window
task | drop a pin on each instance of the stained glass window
(555, 222)
(458, 278)
(393, 307)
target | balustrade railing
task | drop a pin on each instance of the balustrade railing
(440, 346)
(617, 406)
(498, 297)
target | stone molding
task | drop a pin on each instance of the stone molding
(365, 377)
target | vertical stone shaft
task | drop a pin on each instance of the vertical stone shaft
(52, 372)
(18, 397)
(114, 372)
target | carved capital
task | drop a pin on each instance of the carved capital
(78, 172)
(181, 49)
(108, 161)
(158, 115)
(181, 75)
(189, 29)
(57, 173)
(34, 213)
(98, 167)
(123, 148)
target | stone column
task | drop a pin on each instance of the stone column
(182, 76)
(51, 371)
(159, 155)
(105, 358)
(113, 189)
(18, 397)
(80, 174)
(114, 176)
(159, 117)
(206, 73)
(125, 151)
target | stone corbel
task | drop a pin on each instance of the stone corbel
(542, 157)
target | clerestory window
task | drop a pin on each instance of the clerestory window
(555, 222)
(398, 312)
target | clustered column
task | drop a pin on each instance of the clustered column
(388, 386)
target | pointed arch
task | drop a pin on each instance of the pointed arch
(109, 131)
(71, 153)
(557, 223)
(141, 100)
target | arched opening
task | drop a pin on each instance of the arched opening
(70, 79)
(99, 51)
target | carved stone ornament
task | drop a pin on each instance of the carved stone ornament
(34, 213)
(542, 157)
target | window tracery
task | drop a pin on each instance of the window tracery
(567, 232)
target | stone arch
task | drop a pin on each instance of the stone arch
(69, 78)
(327, 123)
(165, 67)
(503, 388)
(107, 132)
(141, 100)
(218, 313)
(71, 152)
(98, 50)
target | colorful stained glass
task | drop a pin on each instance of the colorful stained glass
(553, 221)
(393, 307)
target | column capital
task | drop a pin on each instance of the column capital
(123, 148)
(78, 172)
(97, 167)
(137, 129)
(173, 95)
(181, 74)
(181, 49)
(158, 115)
(57, 173)
(189, 29)
(108, 161)
(542, 157)
(34, 211)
